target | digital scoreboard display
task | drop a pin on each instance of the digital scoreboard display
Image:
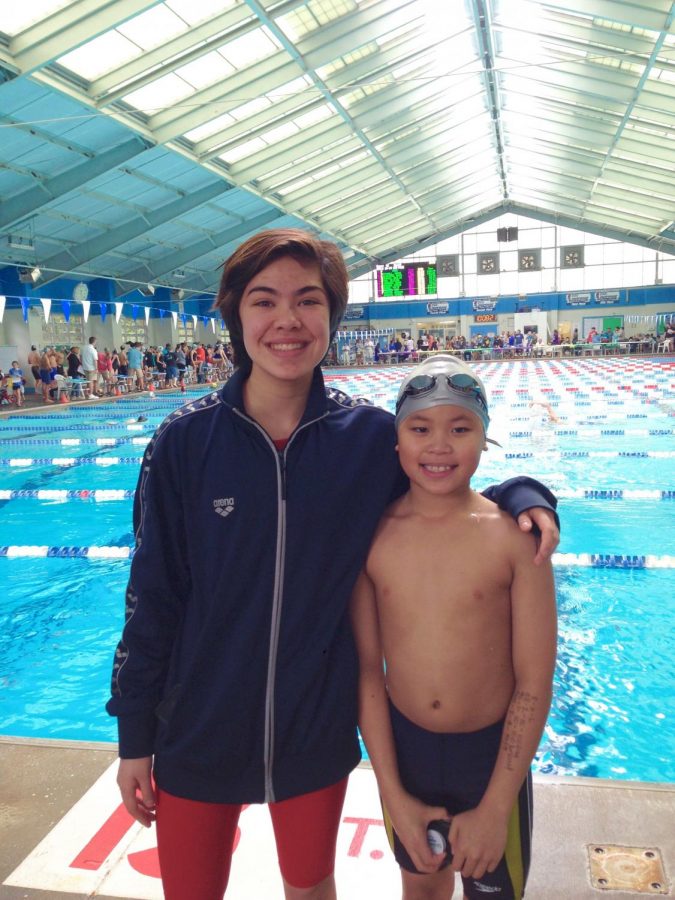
(408, 280)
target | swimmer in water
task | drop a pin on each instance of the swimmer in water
(451, 729)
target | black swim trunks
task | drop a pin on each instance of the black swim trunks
(453, 770)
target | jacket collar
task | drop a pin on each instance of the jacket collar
(232, 393)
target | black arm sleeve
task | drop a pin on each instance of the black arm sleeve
(518, 494)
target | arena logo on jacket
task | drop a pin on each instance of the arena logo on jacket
(223, 507)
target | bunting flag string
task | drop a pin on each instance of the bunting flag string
(47, 304)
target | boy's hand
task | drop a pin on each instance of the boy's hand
(410, 818)
(550, 534)
(478, 840)
(133, 778)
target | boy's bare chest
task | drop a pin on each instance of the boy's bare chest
(464, 567)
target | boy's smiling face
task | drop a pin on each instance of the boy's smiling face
(440, 447)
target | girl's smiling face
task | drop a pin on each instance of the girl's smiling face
(285, 320)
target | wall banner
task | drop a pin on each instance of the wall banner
(579, 299)
(354, 312)
(483, 304)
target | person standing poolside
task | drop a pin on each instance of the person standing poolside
(457, 658)
(46, 379)
(235, 680)
(135, 357)
(34, 363)
(90, 365)
(16, 375)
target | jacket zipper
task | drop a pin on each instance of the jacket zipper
(277, 597)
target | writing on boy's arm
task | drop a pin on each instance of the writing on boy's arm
(479, 836)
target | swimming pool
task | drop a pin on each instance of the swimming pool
(66, 487)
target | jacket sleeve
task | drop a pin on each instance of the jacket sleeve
(158, 587)
(518, 494)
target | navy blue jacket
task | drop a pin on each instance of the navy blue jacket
(237, 668)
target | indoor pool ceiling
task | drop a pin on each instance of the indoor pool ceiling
(143, 140)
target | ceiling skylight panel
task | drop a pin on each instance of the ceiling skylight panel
(16, 17)
(245, 110)
(280, 133)
(100, 55)
(160, 94)
(326, 11)
(315, 115)
(209, 128)
(195, 11)
(298, 23)
(153, 27)
(242, 150)
(296, 86)
(249, 48)
(294, 186)
(206, 70)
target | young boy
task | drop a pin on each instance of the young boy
(465, 623)
(16, 375)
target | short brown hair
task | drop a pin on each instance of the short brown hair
(257, 253)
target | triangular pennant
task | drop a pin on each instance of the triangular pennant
(86, 306)
(183, 318)
(3, 301)
(134, 311)
(162, 313)
(25, 303)
(118, 311)
(65, 309)
(47, 306)
(205, 320)
(174, 316)
(146, 310)
(194, 321)
(104, 311)
(213, 325)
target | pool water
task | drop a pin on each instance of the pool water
(613, 713)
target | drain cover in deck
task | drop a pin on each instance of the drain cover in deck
(635, 869)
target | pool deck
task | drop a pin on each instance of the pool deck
(62, 835)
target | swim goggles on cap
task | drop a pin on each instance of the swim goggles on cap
(425, 384)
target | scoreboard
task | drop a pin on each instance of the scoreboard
(407, 280)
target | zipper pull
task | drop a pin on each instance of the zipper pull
(282, 463)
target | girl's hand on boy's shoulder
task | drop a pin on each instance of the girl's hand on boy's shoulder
(549, 538)
(478, 839)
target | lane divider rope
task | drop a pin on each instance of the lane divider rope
(592, 560)
(108, 494)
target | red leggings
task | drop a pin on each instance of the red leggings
(195, 841)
